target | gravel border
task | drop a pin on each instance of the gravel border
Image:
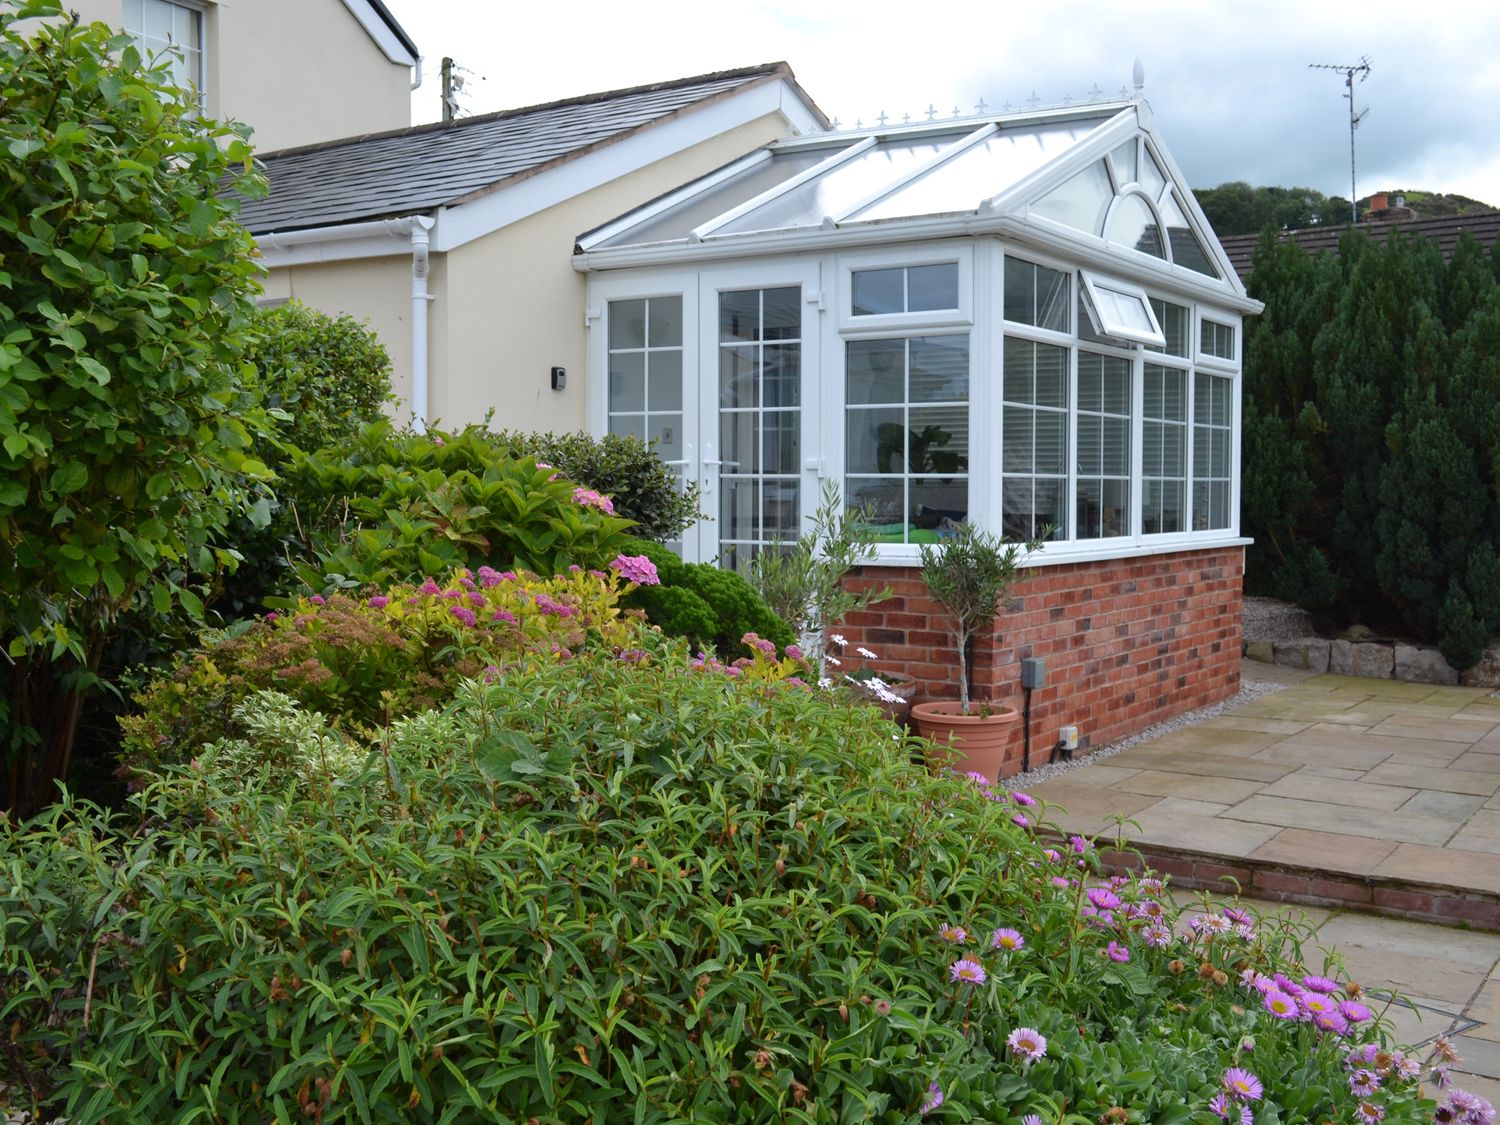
(1249, 690)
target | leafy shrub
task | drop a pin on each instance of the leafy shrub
(125, 437)
(392, 506)
(629, 891)
(329, 374)
(712, 608)
(365, 660)
(643, 486)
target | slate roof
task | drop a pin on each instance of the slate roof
(418, 169)
(1445, 232)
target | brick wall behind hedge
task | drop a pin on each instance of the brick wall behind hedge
(1128, 642)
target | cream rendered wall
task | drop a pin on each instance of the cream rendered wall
(514, 305)
(297, 71)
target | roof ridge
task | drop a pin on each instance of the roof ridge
(1367, 225)
(763, 70)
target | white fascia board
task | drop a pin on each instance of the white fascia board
(1043, 236)
(468, 221)
(377, 30)
(381, 238)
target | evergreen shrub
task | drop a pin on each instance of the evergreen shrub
(627, 889)
(711, 607)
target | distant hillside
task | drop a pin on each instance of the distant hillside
(1237, 208)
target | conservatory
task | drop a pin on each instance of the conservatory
(1021, 320)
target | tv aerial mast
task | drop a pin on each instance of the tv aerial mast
(1350, 71)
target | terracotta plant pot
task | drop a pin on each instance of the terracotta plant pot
(982, 742)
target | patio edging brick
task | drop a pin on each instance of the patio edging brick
(1310, 886)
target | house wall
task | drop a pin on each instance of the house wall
(1127, 642)
(515, 305)
(297, 71)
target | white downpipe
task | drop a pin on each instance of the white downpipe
(421, 225)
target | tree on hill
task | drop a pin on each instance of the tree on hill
(1237, 208)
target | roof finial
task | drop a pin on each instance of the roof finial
(955, 111)
(1096, 94)
(931, 111)
(906, 119)
(981, 107)
(882, 119)
(1138, 76)
(1034, 100)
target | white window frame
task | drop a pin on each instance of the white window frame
(1094, 284)
(1208, 359)
(200, 13)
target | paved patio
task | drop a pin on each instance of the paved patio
(1349, 798)
(1336, 790)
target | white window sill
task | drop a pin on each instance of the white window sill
(1057, 554)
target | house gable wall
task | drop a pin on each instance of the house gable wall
(296, 71)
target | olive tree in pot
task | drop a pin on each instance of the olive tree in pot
(971, 573)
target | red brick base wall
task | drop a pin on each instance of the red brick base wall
(1127, 642)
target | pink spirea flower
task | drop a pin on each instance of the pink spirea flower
(1241, 1085)
(1007, 939)
(429, 587)
(794, 652)
(464, 615)
(504, 615)
(589, 498)
(1117, 952)
(476, 598)
(934, 1098)
(636, 568)
(967, 971)
(317, 599)
(488, 576)
(379, 601)
(1027, 1043)
(553, 608)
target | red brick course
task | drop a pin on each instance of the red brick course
(1127, 642)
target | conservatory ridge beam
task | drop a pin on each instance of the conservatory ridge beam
(650, 210)
(950, 124)
(818, 169)
(942, 156)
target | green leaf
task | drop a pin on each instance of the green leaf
(70, 477)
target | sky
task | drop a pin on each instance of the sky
(1230, 83)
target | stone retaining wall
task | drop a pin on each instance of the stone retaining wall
(1382, 660)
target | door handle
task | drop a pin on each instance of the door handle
(730, 464)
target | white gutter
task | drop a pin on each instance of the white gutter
(378, 238)
(809, 240)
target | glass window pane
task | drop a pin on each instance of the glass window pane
(937, 440)
(737, 442)
(739, 316)
(737, 371)
(781, 377)
(665, 316)
(1089, 445)
(876, 371)
(781, 441)
(885, 501)
(1150, 176)
(1051, 442)
(628, 424)
(738, 510)
(1132, 224)
(1036, 295)
(782, 313)
(665, 388)
(932, 287)
(1187, 251)
(875, 441)
(937, 504)
(666, 431)
(1114, 453)
(1124, 159)
(627, 324)
(1051, 375)
(1018, 445)
(1174, 320)
(878, 291)
(627, 382)
(1080, 202)
(939, 368)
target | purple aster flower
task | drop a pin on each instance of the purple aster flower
(1363, 1083)
(465, 616)
(1287, 985)
(1103, 898)
(1020, 820)
(1031, 1119)
(1157, 935)
(1023, 798)
(1059, 881)
(1320, 984)
(1331, 1021)
(1027, 1043)
(1237, 916)
(1282, 1005)
(1369, 1112)
(1440, 1076)
(1241, 1085)
(977, 778)
(1007, 939)
(956, 934)
(1078, 844)
(1117, 952)
(1220, 1105)
(1152, 886)
(934, 1098)
(967, 971)
(1052, 854)
(1406, 1066)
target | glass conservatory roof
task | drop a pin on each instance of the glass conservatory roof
(1122, 197)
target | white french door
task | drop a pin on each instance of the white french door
(758, 334)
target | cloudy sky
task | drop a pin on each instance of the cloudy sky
(1229, 82)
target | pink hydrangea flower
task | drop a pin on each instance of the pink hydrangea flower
(636, 568)
(589, 498)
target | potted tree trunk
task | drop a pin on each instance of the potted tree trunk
(970, 574)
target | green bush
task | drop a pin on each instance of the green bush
(328, 374)
(711, 607)
(393, 506)
(1372, 437)
(365, 660)
(644, 487)
(126, 436)
(618, 891)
